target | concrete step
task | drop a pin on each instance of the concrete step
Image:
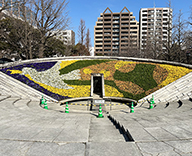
(7, 106)
(103, 130)
(3, 97)
(14, 87)
(177, 90)
(22, 104)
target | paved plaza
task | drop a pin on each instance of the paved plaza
(26, 129)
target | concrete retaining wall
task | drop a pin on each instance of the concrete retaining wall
(94, 57)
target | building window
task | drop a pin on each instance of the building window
(133, 23)
(99, 24)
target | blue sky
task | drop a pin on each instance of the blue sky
(89, 10)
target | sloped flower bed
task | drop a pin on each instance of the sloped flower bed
(69, 79)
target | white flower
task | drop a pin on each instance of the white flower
(51, 76)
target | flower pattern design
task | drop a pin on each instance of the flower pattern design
(47, 78)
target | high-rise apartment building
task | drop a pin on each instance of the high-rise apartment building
(155, 29)
(66, 36)
(116, 33)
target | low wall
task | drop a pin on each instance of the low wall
(94, 57)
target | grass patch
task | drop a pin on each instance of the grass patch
(125, 94)
(77, 82)
(142, 75)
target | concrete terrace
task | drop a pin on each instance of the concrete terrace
(26, 129)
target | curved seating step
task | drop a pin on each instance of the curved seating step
(22, 104)
(3, 97)
(55, 107)
(35, 107)
(7, 106)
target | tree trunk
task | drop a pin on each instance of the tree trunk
(41, 50)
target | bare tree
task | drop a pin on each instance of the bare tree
(178, 36)
(26, 34)
(88, 40)
(20, 36)
(81, 32)
(153, 44)
(7, 4)
(130, 48)
(190, 17)
(168, 43)
(49, 15)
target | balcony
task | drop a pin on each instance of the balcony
(98, 39)
(124, 37)
(133, 32)
(116, 30)
(124, 45)
(115, 47)
(124, 42)
(98, 43)
(124, 33)
(107, 16)
(134, 28)
(107, 26)
(115, 17)
(124, 16)
(107, 37)
(107, 29)
(107, 48)
(107, 33)
(107, 43)
(125, 20)
(115, 34)
(123, 25)
(115, 43)
(115, 38)
(116, 21)
(124, 29)
(116, 26)
(98, 35)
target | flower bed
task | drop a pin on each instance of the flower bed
(69, 79)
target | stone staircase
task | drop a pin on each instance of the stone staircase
(180, 89)
(162, 123)
(14, 88)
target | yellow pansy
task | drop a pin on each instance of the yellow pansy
(15, 71)
(120, 64)
(111, 91)
(87, 71)
(105, 73)
(174, 73)
(66, 63)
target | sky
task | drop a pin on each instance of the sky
(89, 10)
